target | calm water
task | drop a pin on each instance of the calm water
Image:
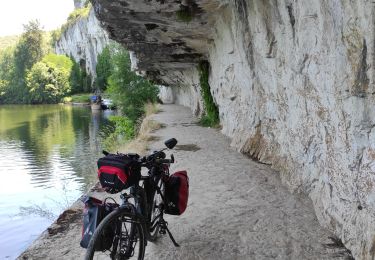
(47, 160)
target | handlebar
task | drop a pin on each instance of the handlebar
(165, 160)
(158, 157)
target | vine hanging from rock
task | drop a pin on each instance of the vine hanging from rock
(211, 117)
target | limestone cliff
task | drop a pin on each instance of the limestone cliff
(293, 81)
(83, 41)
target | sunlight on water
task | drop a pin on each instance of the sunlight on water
(47, 160)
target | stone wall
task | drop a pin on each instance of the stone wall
(294, 84)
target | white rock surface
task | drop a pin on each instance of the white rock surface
(301, 98)
(166, 95)
(79, 3)
(83, 41)
(294, 81)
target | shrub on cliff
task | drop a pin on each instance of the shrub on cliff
(73, 17)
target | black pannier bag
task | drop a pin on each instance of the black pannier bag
(94, 212)
(177, 193)
(118, 172)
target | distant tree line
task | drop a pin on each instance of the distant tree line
(31, 74)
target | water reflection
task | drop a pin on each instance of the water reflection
(48, 158)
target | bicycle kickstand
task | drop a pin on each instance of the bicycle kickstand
(164, 227)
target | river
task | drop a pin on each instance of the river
(48, 159)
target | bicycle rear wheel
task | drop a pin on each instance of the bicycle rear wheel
(128, 241)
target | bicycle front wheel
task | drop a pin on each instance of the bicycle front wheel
(156, 213)
(119, 236)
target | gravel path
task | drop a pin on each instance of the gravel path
(238, 209)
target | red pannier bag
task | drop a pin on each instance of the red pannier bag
(177, 193)
(118, 172)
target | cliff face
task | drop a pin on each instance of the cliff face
(83, 41)
(293, 81)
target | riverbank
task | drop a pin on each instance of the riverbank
(238, 209)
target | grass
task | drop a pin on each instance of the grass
(78, 98)
(211, 117)
(151, 108)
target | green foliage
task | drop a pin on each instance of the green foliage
(128, 90)
(73, 17)
(124, 127)
(58, 61)
(29, 49)
(6, 74)
(14, 63)
(86, 81)
(123, 130)
(103, 69)
(211, 117)
(8, 41)
(48, 80)
(185, 14)
(55, 36)
(27, 75)
(76, 78)
(78, 98)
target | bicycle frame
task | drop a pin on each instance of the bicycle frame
(143, 197)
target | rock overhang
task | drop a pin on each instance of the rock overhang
(160, 39)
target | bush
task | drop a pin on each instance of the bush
(48, 80)
(123, 131)
(124, 127)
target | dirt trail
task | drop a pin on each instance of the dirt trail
(238, 209)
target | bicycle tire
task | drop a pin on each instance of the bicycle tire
(156, 210)
(113, 219)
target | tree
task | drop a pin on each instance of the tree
(127, 89)
(76, 78)
(28, 51)
(6, 74)
(48, 80)
(103, 69)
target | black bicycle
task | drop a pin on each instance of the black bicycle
(140, 216)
